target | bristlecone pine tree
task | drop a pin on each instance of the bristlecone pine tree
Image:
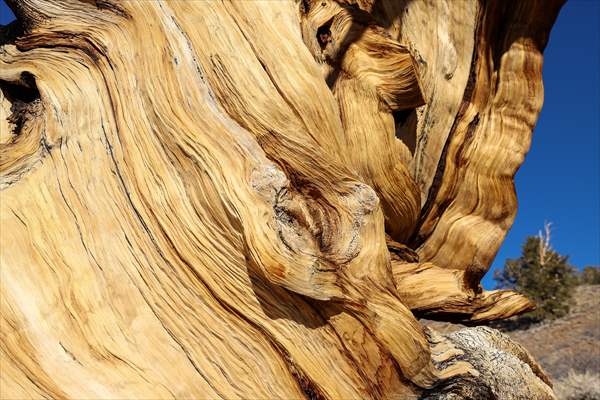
(543, 275)
(259, 199)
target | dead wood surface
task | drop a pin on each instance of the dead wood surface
(257, 199)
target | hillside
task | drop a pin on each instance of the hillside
(569, 343)
(567, 348)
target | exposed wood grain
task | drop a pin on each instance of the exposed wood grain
(257, 199)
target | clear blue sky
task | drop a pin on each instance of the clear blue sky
(559, 180)
(6, 15)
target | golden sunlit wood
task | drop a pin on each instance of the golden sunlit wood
(259, 199)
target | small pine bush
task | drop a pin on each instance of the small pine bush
(543, 275)
(590, 275)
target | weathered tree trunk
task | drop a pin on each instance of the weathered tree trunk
(258, 199)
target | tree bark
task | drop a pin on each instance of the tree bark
(257, 199)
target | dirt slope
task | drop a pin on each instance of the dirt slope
(569, 343)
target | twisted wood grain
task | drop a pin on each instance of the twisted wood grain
(257, 199)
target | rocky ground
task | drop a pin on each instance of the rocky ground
(569, 343)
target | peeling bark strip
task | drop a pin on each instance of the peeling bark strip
(257, 199)
(489, 138)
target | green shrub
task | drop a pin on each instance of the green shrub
(543, 275)
(590, 275)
